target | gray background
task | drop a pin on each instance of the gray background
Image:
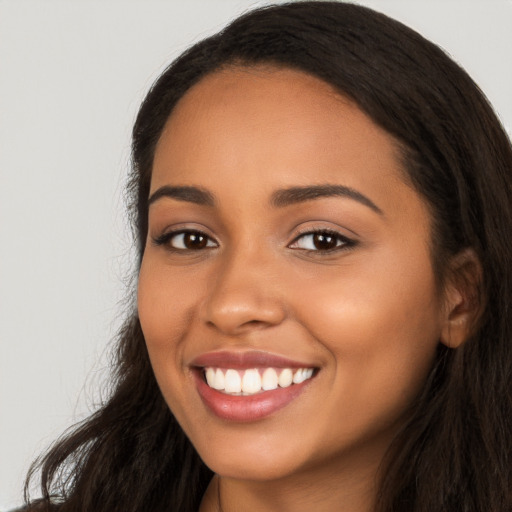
(72, 74)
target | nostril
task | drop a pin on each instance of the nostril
(255, 323)
(243, 326)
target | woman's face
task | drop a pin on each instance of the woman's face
(289, 263)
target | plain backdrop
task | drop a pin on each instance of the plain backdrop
(72, 74)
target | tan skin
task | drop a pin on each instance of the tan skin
(360, 304)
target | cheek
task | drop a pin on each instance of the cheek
(165, 313)
(362, 298)
(380, 325)
(164, 318)
(165, 303)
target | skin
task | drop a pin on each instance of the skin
(368, 316)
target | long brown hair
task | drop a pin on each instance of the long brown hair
(454, 453)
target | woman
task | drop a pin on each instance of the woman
(322, 201)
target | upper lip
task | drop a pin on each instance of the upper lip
(246, 360)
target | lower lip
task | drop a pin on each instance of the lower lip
(247, 408)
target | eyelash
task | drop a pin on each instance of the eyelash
(166, 239)
(342, 242)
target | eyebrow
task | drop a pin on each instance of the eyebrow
(295, 195)
(189, 194)
(279, 199)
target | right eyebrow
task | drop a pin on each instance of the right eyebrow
(183, 193)
(294, 195)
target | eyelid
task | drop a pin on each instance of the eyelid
(168, 234)
(166, 237)
(347, 243)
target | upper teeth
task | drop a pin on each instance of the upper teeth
(255, 380)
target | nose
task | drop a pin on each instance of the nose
(243, 295)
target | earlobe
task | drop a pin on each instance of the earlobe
(463, 299)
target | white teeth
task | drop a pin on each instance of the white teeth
(269, 380)
(219, 380)
(285, 378)
(210, 377)
(299, 376)
(253, 380)
(302, 375)
(232, 382)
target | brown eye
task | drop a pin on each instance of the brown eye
(194, 240)
(322, 241)
(186, 241)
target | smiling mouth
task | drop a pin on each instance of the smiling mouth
(249, 386)
(253, 381)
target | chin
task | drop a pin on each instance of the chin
(252, 468)
(260, 457)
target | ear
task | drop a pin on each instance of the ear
(462, 298)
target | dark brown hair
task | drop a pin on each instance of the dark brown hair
(454, 453)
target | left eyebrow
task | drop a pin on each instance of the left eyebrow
(189, 194)
(294, 195)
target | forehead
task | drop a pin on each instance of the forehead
(262, 128)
